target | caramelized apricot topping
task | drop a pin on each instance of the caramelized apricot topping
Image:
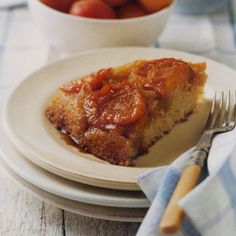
(119, 105)
(164, 75)
(95, 80)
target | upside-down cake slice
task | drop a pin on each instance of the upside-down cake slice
(118, 113)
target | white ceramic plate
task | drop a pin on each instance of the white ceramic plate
(36, 139)
(100, 212)
(65, 188)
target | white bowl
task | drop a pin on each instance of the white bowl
(69, 34)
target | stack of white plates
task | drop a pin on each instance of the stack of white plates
(35, 154)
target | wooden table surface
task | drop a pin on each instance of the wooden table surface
(22, 213)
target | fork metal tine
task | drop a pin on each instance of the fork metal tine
(233, 116)
(228, 109)
(211, 114)
(234, 111)
(216, 114)
(223, 110)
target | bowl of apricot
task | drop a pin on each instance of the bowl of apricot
(75, 25)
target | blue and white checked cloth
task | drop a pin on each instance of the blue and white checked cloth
(23, 49)
(210, 207)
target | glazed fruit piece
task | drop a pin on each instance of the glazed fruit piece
(131, 9)
(154, 5)
(59, 5)
(92, 9)
(115, 3)
(117, 113)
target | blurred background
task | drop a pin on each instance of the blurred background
(204, 27)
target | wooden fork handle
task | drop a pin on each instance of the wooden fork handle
(173, 216)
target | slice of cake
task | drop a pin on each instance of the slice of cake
(118, 113)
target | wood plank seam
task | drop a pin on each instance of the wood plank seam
(63, 223)
(43, 223)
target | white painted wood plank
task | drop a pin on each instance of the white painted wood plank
(23, 214)
(76, 225)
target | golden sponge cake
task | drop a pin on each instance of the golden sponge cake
(118, 113)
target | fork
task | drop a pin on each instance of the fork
(221, 119)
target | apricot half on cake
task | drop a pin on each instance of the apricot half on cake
(118, 113)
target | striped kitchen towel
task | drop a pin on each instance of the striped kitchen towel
(210, 207)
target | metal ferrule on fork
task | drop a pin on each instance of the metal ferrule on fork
(202, 149)
(198, 157)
